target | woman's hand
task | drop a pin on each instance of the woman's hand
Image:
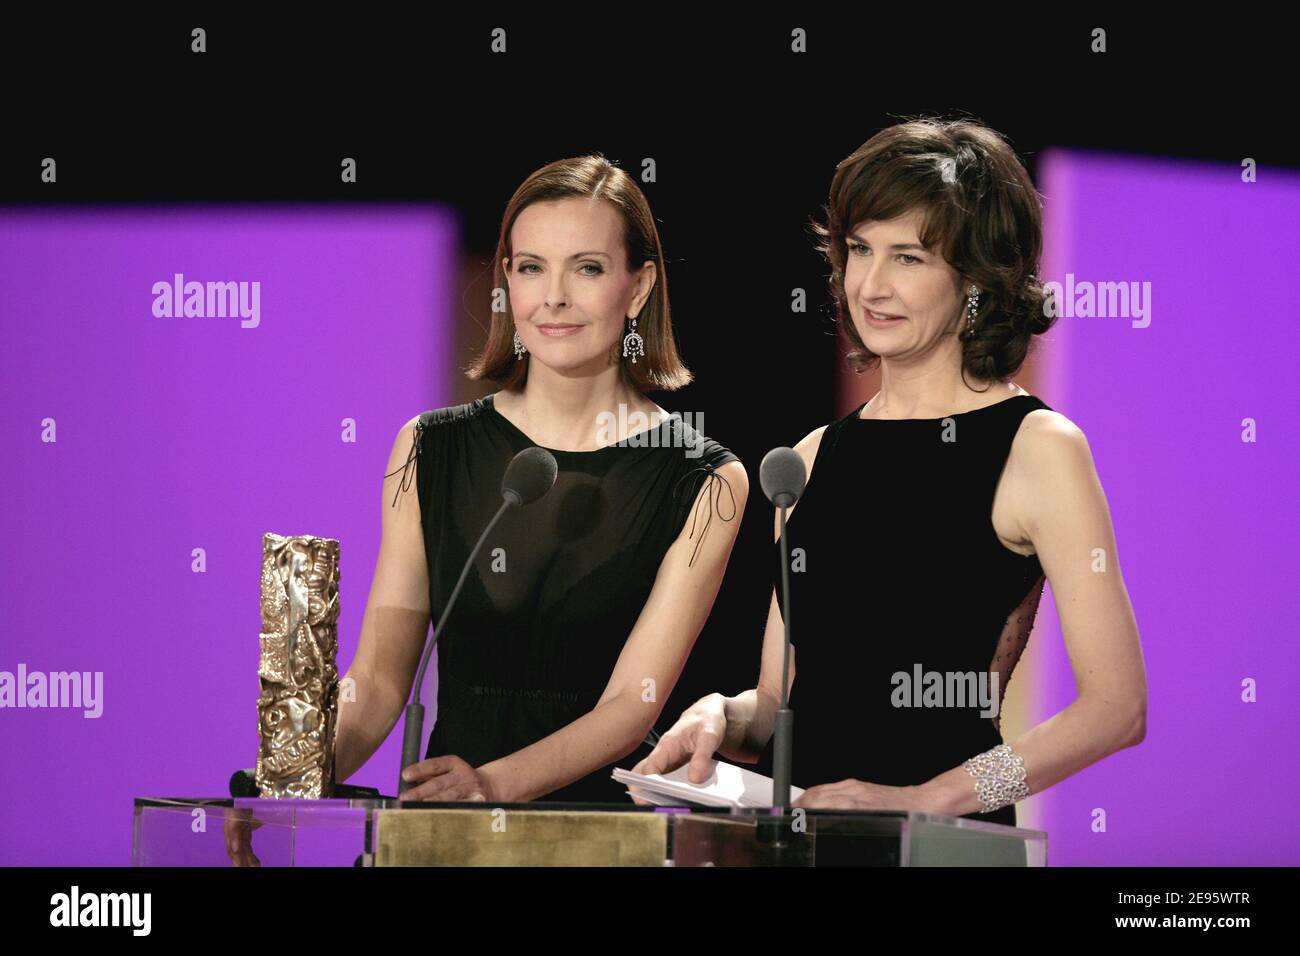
(447, 779)
(860, 795)
(698, 733)
(239, 827)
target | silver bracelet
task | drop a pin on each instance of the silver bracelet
(999, 777)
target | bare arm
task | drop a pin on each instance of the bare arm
(1068, 521)
(751, 714)
(394, 626)
(648, 667)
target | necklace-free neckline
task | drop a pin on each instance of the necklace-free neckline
(857, 413)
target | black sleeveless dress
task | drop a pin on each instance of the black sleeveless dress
(902, 575)
(558, 585)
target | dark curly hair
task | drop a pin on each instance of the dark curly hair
(981, 213)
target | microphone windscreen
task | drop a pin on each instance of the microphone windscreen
(782, 475)
(243, 783)
(530, 474)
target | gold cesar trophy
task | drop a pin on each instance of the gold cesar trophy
(297, 709)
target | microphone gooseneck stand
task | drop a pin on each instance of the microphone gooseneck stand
(413, 728)
(783, 476)
(529, 476)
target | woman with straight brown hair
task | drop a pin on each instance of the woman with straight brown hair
(581, 609)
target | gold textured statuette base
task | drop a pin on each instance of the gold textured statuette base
(487, 836)
(298, 672)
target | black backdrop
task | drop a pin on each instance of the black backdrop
(745, 135)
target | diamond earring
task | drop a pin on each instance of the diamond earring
(633, 344)
(972, 303)
(520, 351)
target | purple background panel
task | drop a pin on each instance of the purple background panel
(181, 433)
(1206, 524)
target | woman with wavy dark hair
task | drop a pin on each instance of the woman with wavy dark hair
(934, 513)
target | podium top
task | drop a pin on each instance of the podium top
(305, 810)
(180, 831)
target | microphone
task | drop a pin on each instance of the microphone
(530, 474)
(783, 476)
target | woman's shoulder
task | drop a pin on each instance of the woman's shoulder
(1049, 447)
(421, 428)
(450, 414)
(1045, 426)
(685, 433)
(810, 444)
(416, 433)
(413, 444)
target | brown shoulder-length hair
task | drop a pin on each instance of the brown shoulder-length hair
(981, 212)
(589, 177)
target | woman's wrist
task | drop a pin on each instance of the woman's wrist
(951, 793)
(495, 780)
(735, 740)
(366, 717)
